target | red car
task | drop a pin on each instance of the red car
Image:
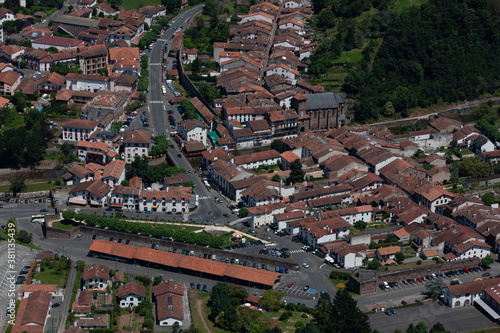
(290, 285)
(419, 279)
(306, 288)
(410, 281)
(404, 302)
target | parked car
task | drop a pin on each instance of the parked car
(486, 274)
(403, 302)
(306, 288)
(290, 285)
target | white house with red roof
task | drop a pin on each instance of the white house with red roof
(113, 173)
(283, 70)
(173, 199)
(257, 16)
(78, 129)
(470, 249)
(130, 294)
(95, 277)
(91, 83)
(136, 143)
(126, 197)
(94, 192)
(323, 231)
(432, 196)
(96, 152)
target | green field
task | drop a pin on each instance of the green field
(30, 187)
(133, 5)
(65, 224)
(49, 276)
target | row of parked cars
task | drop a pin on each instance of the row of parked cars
(144, 119)
(243, 245)
(433, 276)
(171, 84)
(277, 252)
(25, 201)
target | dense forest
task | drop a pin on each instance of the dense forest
(444, 51)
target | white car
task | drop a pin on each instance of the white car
(305, 265)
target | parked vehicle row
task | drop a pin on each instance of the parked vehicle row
(466, 270)
(26, 201)
(242, 245)
(171, 84)
(144, 119)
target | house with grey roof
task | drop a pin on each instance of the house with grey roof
(320, 111)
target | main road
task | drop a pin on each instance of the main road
(208, 209)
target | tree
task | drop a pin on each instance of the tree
(487, 261)
(115, 3)
(296, 174)
(473, 167)
(276, 178)
(309, 328)
(271, 300)
(361, 225)
(278, 145)
(67, 150)
(116, 126)
(438, 328)
(400, 257)
(24, 237)
(326, 19)
(391, 238)
(222, 312)
(389, 109)
(346, 316)
(243, 212)
(196, 65)
(421, 327)
(12, 226)
(19, 101)
(52, 50)
(374, 264)
(68, 215)
(435, 288)
(488, 198)
(80, 265)
(236, 295)
(323, 314)
(17, 184)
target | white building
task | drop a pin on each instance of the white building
(173, 199)
(131, 294)
(78, 129)
(6, 15)
(95, 277)
(193, 130)
(255, 160)
(467, 293)
(169, 309)
(264, 215)
(283, 70)
(114, 173)
(136, 143)
(323, 231)
(126, 197)
(257, 16)
(91, 83)
(94, 192)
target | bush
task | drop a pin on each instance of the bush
(285, 315)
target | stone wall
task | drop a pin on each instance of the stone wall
(165, 244)
(370, 285)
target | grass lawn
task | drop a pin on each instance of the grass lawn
(339, 283)
(30, 187)
(4, 236)
(271, 319)
(49, 276)
(65, 224)
(411, 265)
(133, 5)
(197, 300)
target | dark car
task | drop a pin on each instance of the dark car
(179, 155)
(94, 237)
(403, 302)
(225, 215)
(56, 305)
(44, 210)
(486, 274)
(153, 246)
(198, 286)
(204, 288)
(382, 286)
(192, 285)
(127, 241)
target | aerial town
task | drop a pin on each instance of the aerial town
(249, 166)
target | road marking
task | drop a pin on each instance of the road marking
(204, 198)
(155, 102)
(297, 251)
(155, 64)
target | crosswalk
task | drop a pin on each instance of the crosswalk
(297, 251)
(204, 198)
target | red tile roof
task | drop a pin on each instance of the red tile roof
(179, 261)
(131, 289)
(96, 271)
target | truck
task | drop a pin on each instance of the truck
(281, 269)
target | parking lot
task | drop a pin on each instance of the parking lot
(451, 277)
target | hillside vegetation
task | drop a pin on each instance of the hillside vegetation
(441, 51)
